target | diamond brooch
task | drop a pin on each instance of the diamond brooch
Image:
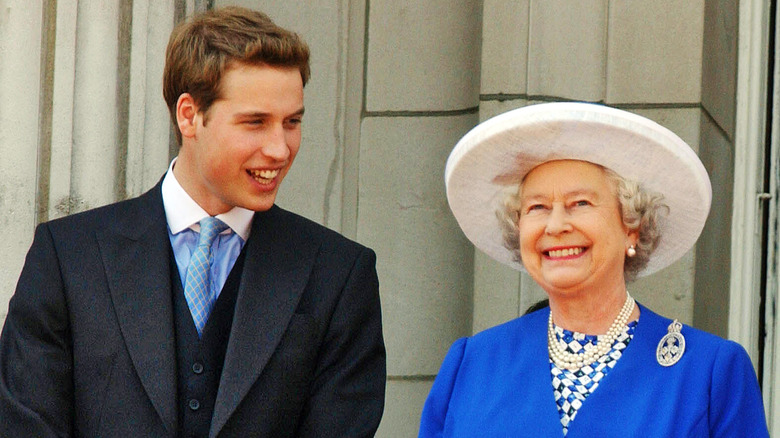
(672, 346)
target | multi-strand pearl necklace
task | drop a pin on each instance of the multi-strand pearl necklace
(574, 361)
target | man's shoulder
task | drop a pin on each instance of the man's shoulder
(298, 225)
(147, 205)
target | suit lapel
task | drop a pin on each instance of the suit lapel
(276, 269)
(136, 258)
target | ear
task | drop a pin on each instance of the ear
(632, 237)
(186, 115)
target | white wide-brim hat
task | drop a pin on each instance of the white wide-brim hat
(489, 162)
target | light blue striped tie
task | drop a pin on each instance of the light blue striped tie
(196, 288)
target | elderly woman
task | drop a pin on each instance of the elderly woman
(588, 197)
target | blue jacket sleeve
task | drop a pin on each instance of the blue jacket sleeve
(736, 408)
(435, 409)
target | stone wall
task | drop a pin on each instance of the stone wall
(395, 83)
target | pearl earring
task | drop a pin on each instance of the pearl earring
(631, 251)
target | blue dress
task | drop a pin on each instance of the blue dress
(497, 384)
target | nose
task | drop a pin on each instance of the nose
(275, 145)
(557, 221)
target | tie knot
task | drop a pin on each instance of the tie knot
(210, 227)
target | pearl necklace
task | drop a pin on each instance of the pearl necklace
(574, 361)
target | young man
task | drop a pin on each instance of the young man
(150, 318)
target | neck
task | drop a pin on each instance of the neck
(589, 312)
(184, 172)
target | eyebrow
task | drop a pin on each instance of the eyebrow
(575, 193)
(571, 194)
(532, 198)
(261, 114)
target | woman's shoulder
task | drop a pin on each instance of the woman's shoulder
(513, 332)
(719, 371)
(706, 345)
(661, 323)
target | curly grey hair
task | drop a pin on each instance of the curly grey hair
(640, 210)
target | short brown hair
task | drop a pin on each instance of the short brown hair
(201, 49)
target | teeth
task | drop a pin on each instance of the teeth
(264, 176)
(564, 252)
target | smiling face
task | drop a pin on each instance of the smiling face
(572, 237)
(238, 153)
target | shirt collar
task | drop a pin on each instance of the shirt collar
(182, 212)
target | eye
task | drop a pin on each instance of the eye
(582, 203)
(534, 207)
(294, 122)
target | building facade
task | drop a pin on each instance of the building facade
(395, 83)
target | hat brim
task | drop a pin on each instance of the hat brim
(491, 160)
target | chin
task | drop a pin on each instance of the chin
(563, 283)
(253, 203)
(259, 206)
(257, 201)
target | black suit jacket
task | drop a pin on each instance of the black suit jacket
(88, 344)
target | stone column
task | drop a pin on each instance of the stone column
(20, 95)
(422, 90)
